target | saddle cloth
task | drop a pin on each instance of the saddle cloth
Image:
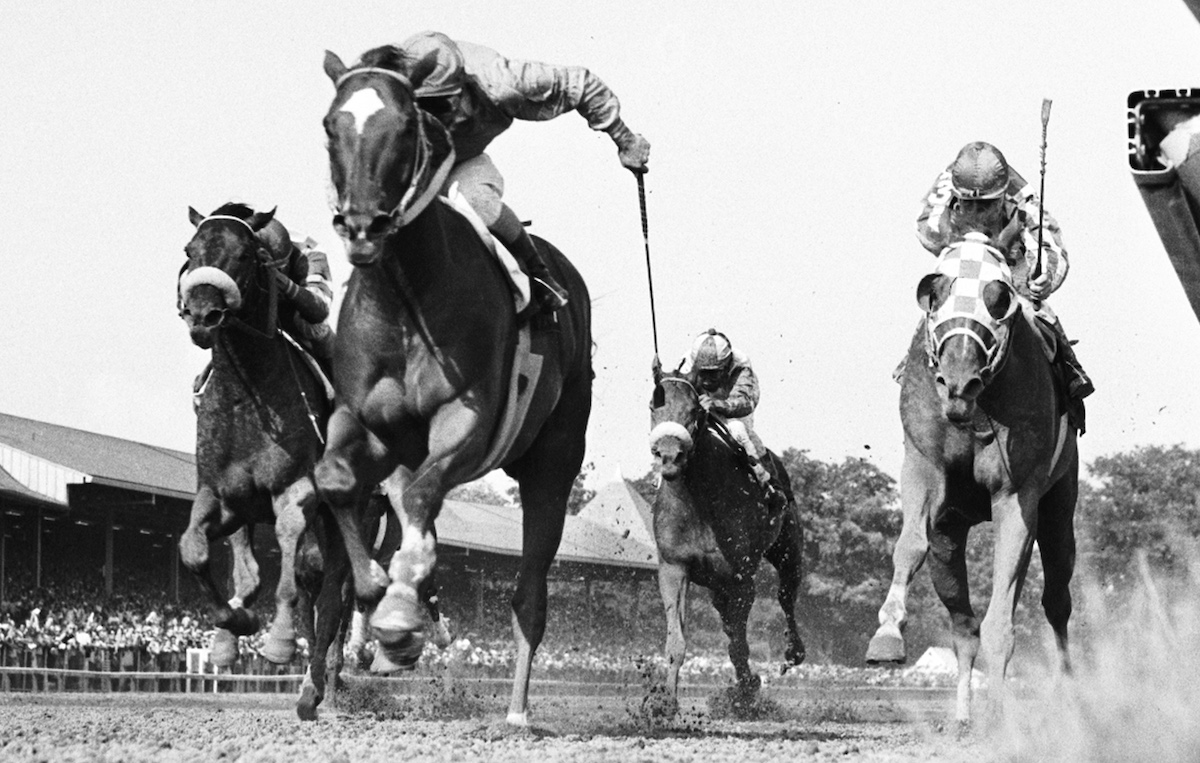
(516, 277)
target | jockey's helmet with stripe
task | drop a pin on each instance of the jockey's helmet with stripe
(978, 181)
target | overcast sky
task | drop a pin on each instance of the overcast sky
(791, 143)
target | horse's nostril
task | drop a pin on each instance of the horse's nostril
(212, 318)
(941, 380)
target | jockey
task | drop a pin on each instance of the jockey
(980, 192)
(305, 281)
(307, 284)
(476, 93)
(728, 389)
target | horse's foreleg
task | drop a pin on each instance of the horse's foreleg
(673, 585)
(1056, 540)
(246, 581)
(922, 491)
(1014, 518)
(785, 556)
(453, 449)
(733, 605)
(294, 509)
(204, 525)
(351, 452)
(948, 569)
(328, 621)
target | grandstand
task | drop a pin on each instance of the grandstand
(104, 508)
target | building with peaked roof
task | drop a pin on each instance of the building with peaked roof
(618, 506)
(67, 494)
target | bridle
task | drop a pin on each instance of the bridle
(992, 335)
(426, 181)
(265, 266)
(685, 434)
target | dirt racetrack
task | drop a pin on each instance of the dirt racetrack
(868, 725)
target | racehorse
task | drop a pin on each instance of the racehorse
(260, 419)
(425, 354)
(986, 437)
(712, 525)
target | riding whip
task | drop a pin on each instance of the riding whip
(646, 238)
(1037, 263)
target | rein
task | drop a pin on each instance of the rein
(270, 266)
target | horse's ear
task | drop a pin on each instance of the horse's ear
(195, 217)
(422, 69)
(930, 291)
(656, 369)
(259, 220)
(334, 68)
(1000, 299)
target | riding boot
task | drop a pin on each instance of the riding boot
(1079, 385)
(546, 293)
(776, 498)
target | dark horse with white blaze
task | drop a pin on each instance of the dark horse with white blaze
(259, 428)
(425, 353)
(712, 525)
(986, 437)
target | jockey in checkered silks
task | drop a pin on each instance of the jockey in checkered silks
(979, 191)
(477, 93)
(728, 389)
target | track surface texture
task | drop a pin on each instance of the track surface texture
(466, 722)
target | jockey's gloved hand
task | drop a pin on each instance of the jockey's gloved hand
(706, 402)
(1039, 288)
(632, 149)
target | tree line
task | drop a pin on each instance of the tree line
(1143, 504)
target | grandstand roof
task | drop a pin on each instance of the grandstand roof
(44, 458)
(39, 460)
(497, 529)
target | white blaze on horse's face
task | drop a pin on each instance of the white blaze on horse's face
(362, 106)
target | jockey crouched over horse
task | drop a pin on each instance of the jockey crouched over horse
(260, 421)
(724, 504)
(991, 404)
(262, 405)
(440, 373)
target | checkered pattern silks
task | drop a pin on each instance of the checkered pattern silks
(971, 263)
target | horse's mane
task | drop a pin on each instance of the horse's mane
(385, 57)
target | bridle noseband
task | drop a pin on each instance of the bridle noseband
(228, 285)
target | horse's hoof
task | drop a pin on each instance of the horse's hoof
(306, 706)
(397, 614)
(279, 651)
(224, 649)
(520, 720)
(441, 633)
(794, 656)
(886, 648)
(659, 705)
(399, 655)
(240, 622)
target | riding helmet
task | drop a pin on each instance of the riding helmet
(979, 172)
(711, 351)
